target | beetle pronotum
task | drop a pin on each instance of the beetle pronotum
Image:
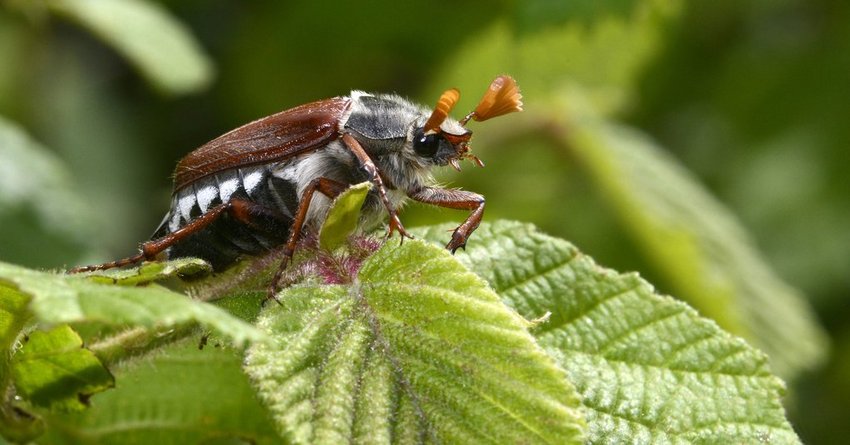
(254, 188)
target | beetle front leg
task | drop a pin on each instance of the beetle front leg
(375, 177)
(454, 199)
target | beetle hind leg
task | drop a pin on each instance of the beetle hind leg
(241, 210)
(110, 265)
(325, 186)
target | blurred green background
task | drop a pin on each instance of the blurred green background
(703, 144)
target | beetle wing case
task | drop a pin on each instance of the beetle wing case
(281, 135)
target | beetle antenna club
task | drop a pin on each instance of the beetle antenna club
(265, 183)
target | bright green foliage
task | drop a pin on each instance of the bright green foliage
(53, 370)
(160, 47)
(647, 366)
(416, 349)
(180, 395)
(76, 299)
(343, 217)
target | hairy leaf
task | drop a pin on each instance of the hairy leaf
(150, 272)
(417, 349)
(75, 299)
(649, 369)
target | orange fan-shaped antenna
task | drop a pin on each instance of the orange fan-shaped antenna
(502, 97)
(444, 106)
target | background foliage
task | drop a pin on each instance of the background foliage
(630, 107)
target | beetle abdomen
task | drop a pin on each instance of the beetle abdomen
(225, 239)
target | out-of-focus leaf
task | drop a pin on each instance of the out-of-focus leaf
(53, 370)
(30, 176)
(160, 47)
(343, 216)
(417, 349)
(603, 58)
(73, 299)
(696, 244)
(181, 394)
(649, 369)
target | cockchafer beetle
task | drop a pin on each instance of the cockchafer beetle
(254, 188)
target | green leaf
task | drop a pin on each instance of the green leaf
(150, 272)
(53, 370)
(13, 317)
(696, 243)
(649, 369)
(180, 395)
(160, 47)
(417, 349)
(15, 423)
(76, 299)
(343, 216)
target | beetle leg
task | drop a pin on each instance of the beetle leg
(454, 199)
(241, 210)
(327, 187)
(375, 177)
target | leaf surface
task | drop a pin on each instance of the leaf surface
(648, 367)
(77, 299)
(343, 216)
(181, 394)
(417, 349)
(53, 370)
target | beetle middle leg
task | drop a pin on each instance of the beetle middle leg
(455, 199)
(241, 210)
(375, 177)
(325, 186)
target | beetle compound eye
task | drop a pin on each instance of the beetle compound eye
(426, 145)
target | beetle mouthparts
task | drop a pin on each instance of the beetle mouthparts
(502, 97)
(444, 106)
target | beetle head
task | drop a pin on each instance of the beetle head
(450, 143)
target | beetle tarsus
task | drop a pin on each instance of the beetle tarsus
(110, 265)
(458, 241)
